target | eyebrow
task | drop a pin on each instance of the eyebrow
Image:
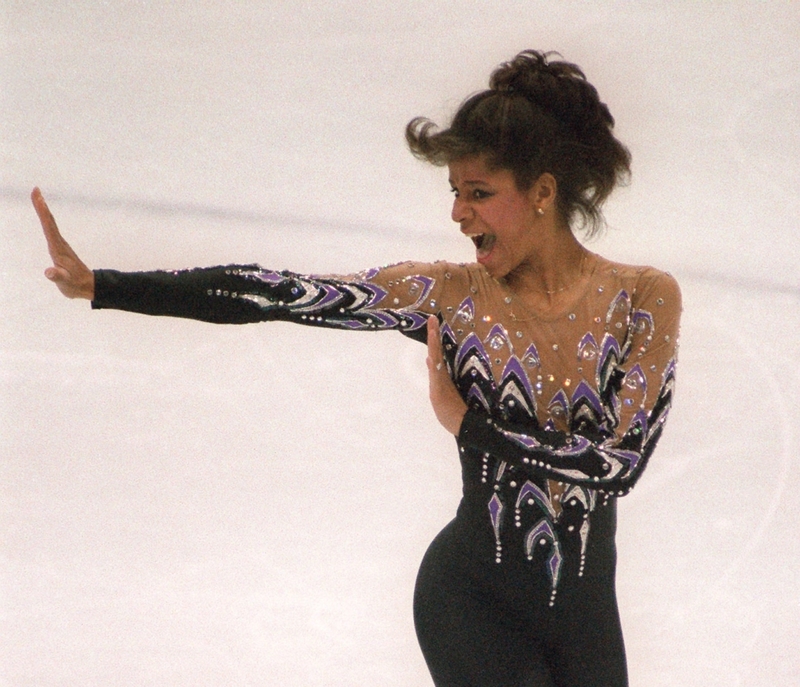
(469, 182)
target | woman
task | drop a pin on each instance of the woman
(553, 367)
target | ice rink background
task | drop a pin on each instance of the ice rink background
(185, 504)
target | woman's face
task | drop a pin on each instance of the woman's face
(494, 213)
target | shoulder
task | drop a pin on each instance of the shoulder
(643, 282)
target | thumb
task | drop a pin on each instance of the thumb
(56, 274)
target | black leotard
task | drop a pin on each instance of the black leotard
(564, 413)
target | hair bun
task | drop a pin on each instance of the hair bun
(556, 87)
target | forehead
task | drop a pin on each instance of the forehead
(474, 170)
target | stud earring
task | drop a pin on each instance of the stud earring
(539, 212)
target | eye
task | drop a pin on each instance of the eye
(478, 194)
(454, 191)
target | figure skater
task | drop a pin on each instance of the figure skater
(552, 366)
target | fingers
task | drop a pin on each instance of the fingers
(73, 278)
(45, 216)
(55, 242)
(445, 399)
(435, 355)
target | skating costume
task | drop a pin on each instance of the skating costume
(564, 413)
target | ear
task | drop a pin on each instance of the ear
(543, 192)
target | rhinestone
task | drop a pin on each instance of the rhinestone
(507, 299)
(219, 292)
(234, 294)
(519, 335)
(618, 325)
(396, 301)
(543, 541)
(598, 320)
(433, 303)
(447, 275)
(224, 293)
(496, 342)
(473, 289)
(487, 318)
(653, 368)
(600, 289)
(449, 308)
(666, 337)
(210, 292)
(660, 301)
(555, 347)
(567, 382)
(551, 378)
(571, 316)
(497, 361)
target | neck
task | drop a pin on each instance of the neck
(552, 269)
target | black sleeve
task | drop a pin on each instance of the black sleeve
(207, 294)
(398, 297)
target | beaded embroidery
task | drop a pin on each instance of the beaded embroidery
(562, 427)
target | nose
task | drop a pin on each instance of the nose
(460, 210)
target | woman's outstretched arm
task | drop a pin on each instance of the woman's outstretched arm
(69, 273)
(398, 297)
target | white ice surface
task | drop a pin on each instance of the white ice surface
(185, 504)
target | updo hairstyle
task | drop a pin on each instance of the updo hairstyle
(537, 116)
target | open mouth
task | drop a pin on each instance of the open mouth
(483, 243)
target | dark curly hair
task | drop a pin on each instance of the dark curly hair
(537, 116)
